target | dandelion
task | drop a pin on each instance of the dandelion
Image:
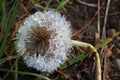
(44, 40)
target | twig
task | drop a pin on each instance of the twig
(87, 4)
(111, 14)
(85, 45)
(13, 34)
(98, 18)
(65, 75)
(103, 38)
(105, 21)
(24, 8)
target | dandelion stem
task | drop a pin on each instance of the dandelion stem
(85, 45)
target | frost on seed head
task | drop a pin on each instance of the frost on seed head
(44, 40)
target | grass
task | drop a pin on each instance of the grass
(24, 73)
(7, 23)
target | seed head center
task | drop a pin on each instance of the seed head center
(39, 40)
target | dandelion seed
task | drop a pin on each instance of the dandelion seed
(44, 40)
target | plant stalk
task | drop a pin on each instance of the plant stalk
(86, 45)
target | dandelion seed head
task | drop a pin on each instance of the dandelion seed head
(38, 40)
(44, 40)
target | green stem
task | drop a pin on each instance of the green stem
(86, 45)
(46, 7)
(25, 73)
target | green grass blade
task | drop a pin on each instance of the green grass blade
(1, 78)
(3, 18)
(16, 69)
(103, 43)
(25, 73)
(107, 41)
(61, 4)
(13, 14)
(17, 58)
(3, 6)
(3, 60)
(11, 18)
(74, 60)
(46, 7)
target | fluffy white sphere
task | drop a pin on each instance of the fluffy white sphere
(59, 42)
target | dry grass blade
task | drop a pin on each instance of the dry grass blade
(104, 49)
(105, 21)
(87, 4)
